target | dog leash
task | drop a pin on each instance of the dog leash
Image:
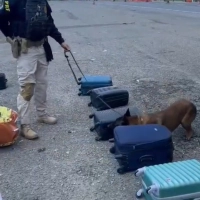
(67, 57)
(109, 106)
(121, 115)
(77, 81)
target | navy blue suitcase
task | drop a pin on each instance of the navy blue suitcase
(136, 146)
(88, 82)
(102, 119)
(108, 97)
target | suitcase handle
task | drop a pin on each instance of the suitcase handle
(67, 57)
(146, 158)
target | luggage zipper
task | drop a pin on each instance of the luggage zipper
(144, 149)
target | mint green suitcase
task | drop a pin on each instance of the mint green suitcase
(171, 181)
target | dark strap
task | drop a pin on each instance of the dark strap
(67, 57)
(98, 97)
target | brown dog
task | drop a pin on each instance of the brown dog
(181, 112)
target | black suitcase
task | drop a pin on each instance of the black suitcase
(3, 81)
(102, 119)
(108, 97)
(136, 146)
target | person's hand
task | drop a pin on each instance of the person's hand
(65, 46)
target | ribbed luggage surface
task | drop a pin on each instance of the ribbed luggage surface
(109, 92)
(104, 89)
(177, 178)
(108, 97)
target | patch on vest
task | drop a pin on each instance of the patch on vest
(7, 6)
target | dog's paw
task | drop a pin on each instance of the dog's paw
(188, 138)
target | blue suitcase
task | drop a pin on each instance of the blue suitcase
(102, 119)
(88, 82)
(108, 97)
(172, 181)
(136, 146)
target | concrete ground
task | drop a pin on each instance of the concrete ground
(152, 49)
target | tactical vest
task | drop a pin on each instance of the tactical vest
(37, 21)
(29, 19)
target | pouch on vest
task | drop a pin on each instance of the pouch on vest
(15, 46)
(48, 51)
(8, 126)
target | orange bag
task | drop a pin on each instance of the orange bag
(8, 127)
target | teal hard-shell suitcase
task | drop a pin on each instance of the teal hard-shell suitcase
(171, 181)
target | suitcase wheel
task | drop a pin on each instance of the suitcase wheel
(139, 194)
(89, 92)
(90, 104)
(91, 116)
(121, 170)
(79, 94)
(92, 129)
(112, 150)
(79, 79)
(139, 172)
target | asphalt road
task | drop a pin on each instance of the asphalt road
(151, 49)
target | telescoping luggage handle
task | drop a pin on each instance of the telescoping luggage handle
(67, 57)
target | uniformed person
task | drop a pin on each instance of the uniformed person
(33, 58)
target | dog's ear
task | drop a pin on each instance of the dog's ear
(127, 114)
